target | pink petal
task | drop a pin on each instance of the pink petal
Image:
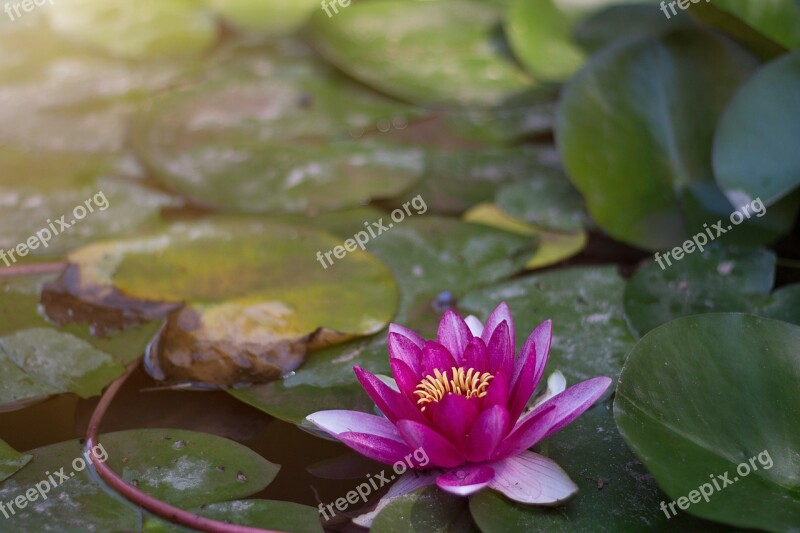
(533, 479)
(529, 367)
(339, 421)
(526, 433)
(408, 482)
(465, 480)
(411, 335)
(434, 356)
(381, 449)
(496, 392)
(538, 346)
(438, 449)
(570, 404)
(501, 351)
(406, 350)
(476, 355)
(486, 433)
(391, 403)
(452, 416)
(454, 334)
(501, 314)
(406, 379)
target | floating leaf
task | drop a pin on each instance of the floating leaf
(271, 16)
(255, 295)
(553, 246)
(716, 280)
(539, 34)
(718, 391)
(777, 19)
(147, 29)
(590, 337)
(422, 511)
(11, 461)
(183, 468)
(38, 360)
(755, 153)
(266, 514)
(625, 22)
(635, 129)
(448, 52)
(276, 143)
(55, 202)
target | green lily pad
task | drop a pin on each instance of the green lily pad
(459, 179)
(277, 143)
(447, 52)
(714, 396)
(56, 202)
(590, 337)
(635, 129)
(147, 29)
(266, 514)
(547, 199)
(617, 493)
(11, 461)
(270, 16)
(183, 468)
(553, 246)
(777, 19)
(624, 22)
(245, 297)
(783, 304)
(425, 510)
(427, 256)
(540, 35)
(717, 280)
(754, 152)
(38, 359)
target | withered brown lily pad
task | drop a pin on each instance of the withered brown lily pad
(245, 298)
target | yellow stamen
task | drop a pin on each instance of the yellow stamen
(467, 383)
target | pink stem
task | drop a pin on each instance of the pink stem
(155, 506)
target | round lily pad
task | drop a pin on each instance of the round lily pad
(709, 403)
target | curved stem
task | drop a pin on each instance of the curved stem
(33, 268)
(131, 493)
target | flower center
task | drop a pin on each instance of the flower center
(467, 383)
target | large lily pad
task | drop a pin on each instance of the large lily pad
(755, 148)
(277, 142)
(425, 510)
(540, 35)
(717, 280)
(146, 29)
(590, 337)
(777, 19)
(11, 461)
(703, 395)
(635, 129)
(184, 468)
(448, 52)
(255, 294)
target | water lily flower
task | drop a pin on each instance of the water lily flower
(463, 399)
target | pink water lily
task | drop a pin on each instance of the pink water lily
(463, 400)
